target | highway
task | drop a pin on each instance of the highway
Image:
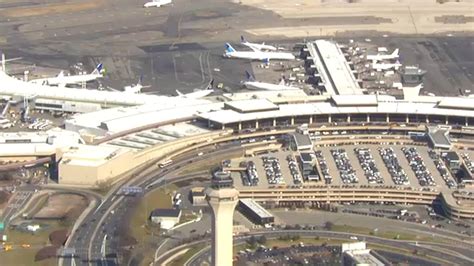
(88, 240)
(93, 241)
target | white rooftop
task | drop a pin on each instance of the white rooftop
(457, 103)
(90, 155)
(257, 208)
(252, 105)
(338, 68)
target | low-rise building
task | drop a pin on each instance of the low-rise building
(358, 254)
(439, 137)
(300, 142)
(255, 212)
(452, 160)
(198, 197)
(166, 218)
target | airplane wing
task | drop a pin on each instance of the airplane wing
(255, 49)
(62, 85)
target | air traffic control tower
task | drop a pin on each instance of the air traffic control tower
(222, 197)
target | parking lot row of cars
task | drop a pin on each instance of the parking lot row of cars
(294, 170)
(346, 171)
(425, 178)
(468, 162)
(367, 163)
(390, 160)
(250, 175)
(323, 166)
(443, 171)
(273, 170)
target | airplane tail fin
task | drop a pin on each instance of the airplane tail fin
(395, 53)
(242, 39)
(61, 74)
(266, 61)
(98, 70)
(179, 93)
(229, 48)
(282, 81)
(249, 76)
(211, 85)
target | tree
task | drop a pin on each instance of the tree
(262, 240)
(252, 241)
(329, 225)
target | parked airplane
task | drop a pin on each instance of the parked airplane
(257, 46)
(230, 52)
(385, 66)
(137, 88)
(251, 83)
(157, 3)
(198, 93)
(380, 57)
(61, 80)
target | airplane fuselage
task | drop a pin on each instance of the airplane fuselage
(75, 79)
(261, 47)
(267, 86)
(158, 3)
(260, 55)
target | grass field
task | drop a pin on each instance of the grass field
(204, 166)
(380, 233)
(140, 228)
(182, 259)
(25, 256)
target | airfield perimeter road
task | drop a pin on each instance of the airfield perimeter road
(179, 46)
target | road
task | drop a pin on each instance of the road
(88, 240)
(437, 253)
(16, 203)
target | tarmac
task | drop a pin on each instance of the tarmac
(179, 46)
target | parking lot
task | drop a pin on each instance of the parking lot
(270, 169)
(371, 164)
(380, 164)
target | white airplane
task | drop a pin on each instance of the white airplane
(257, 46)
(157, 3)
(198, 93)
(230, 52)
(385, 66)
(137, 88)
(380, 57)
(61, 80)
(251, 83)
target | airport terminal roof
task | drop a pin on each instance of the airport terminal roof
(90, 155)
(270, 95)
(337, 68)
(246, 106)
(291, 110)
(457, 103)
(124, 118)
(355, 100)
